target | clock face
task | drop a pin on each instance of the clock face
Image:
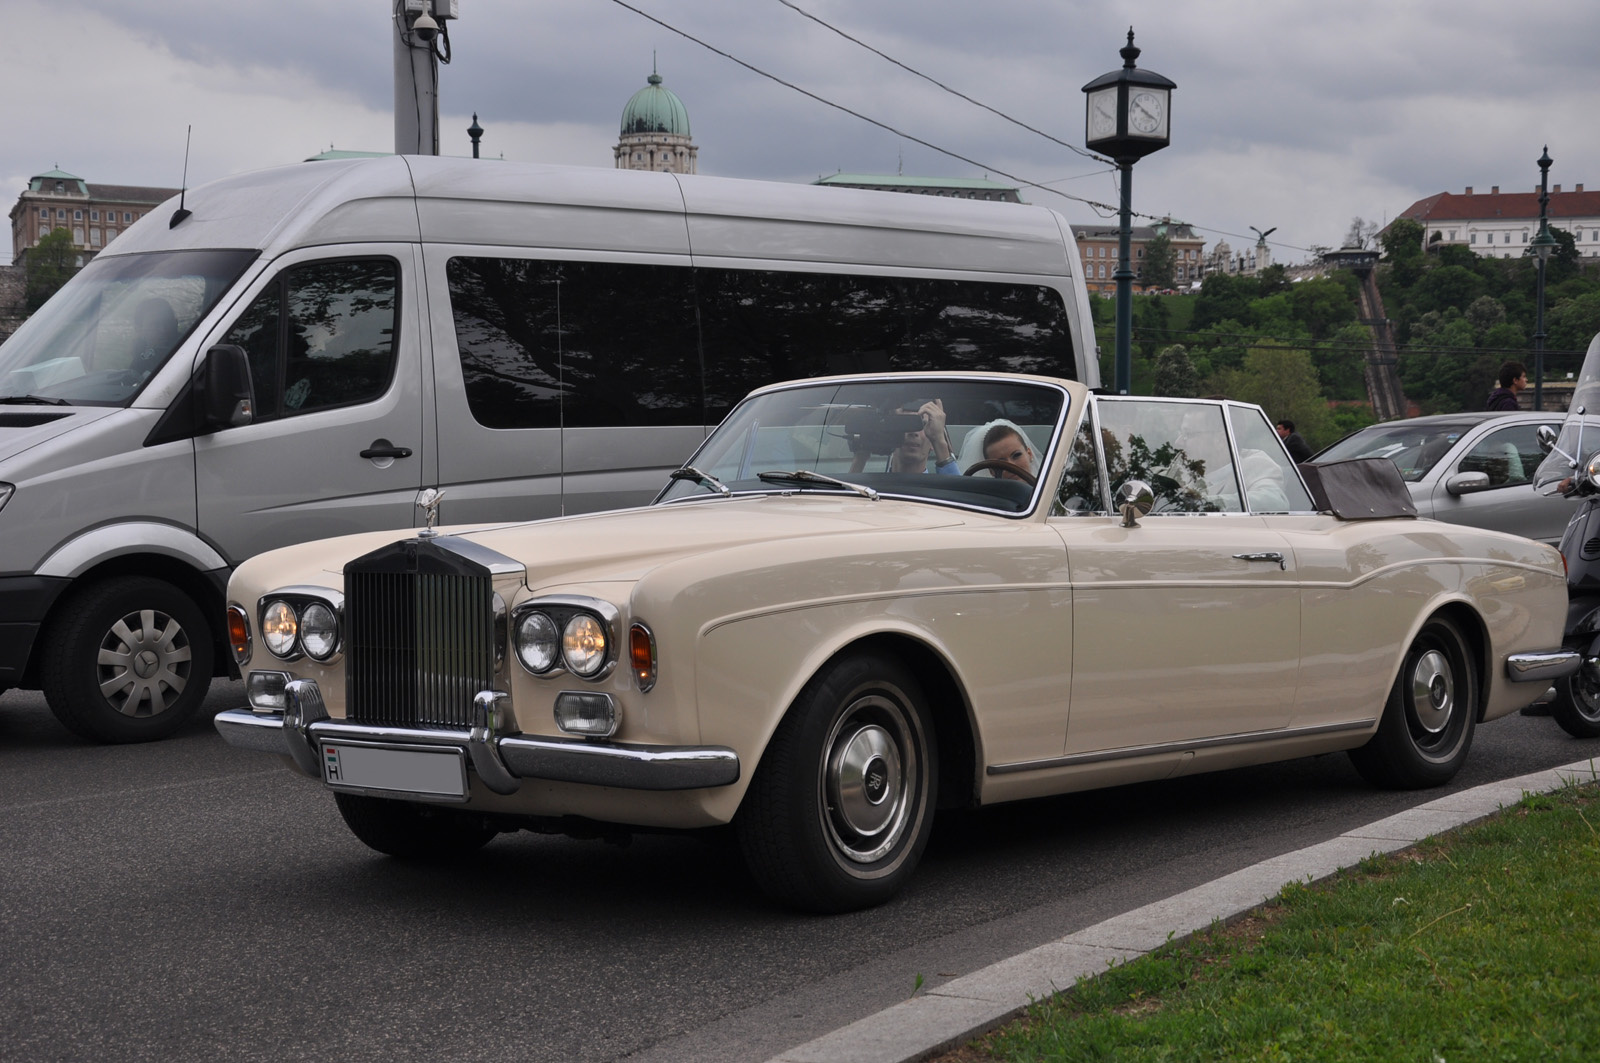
(1147, 114)
(1103, 114)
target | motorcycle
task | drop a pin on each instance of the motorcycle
(1571, 466)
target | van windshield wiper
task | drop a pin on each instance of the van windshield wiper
(689, 472)
(806, 476)
(33, 400)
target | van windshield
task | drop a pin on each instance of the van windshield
(108, 330)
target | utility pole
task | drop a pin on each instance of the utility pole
(421, 41)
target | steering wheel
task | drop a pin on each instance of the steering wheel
(1004, 466)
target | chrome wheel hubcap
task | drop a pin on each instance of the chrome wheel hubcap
(1432, 692)
(867, 778)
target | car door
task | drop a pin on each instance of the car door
(337, 443)
(1186, 626)
(1508, 455)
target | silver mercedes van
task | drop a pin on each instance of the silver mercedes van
(300, 352)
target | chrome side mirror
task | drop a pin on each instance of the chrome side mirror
(1134, 499)
(1547, 438)
(1466, 483)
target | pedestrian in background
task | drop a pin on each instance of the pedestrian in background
(1513, 378)
(1298, 449)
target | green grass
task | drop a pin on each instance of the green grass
(1480, 945)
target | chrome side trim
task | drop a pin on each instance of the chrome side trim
(1542, 667)
(1132, 752)
(628, 767)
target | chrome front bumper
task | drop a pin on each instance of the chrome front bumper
(1543, 667)
(500, 761)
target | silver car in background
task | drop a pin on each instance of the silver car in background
(1468, 468)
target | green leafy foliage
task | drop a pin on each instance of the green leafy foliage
(46, 266)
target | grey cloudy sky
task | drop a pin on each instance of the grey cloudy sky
(1288, 114)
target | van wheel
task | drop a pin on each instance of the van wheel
(841, 806)
(413, 831)
(126, 660)
(1428, 722)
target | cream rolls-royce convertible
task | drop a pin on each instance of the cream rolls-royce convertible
(866, 598)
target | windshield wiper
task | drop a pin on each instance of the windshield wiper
(689, 472)
(33, 400)
(806, 476)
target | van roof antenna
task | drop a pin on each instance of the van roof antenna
(182, 213)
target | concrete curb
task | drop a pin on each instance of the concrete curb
(959, 1010)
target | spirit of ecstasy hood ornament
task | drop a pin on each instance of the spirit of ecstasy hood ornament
(428, 501)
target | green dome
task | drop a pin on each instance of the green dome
(654, 109)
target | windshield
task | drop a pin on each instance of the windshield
(98, 339)
(1579, 438)
(963, 441)
(1414, 448)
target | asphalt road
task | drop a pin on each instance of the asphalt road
(189, 901)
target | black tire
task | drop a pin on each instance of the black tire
(840, 808)
(413, 831)
(1577, 704)
(1430, 716)
(127, 659)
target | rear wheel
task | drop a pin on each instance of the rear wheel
(413, 831)
(840, 809)
(1428, 722)
(127, 660)
(1577, 704)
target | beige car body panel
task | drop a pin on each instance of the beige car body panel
(1085, 653)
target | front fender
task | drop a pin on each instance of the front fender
(82, 552)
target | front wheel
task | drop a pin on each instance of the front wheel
(413, 831)
(127, 660)
(1428, 722)
(1577, 704)
(841, 807)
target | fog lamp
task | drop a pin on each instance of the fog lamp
(264, 691)
(593, 715)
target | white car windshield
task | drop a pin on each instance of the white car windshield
(107, 331)
(969, 442)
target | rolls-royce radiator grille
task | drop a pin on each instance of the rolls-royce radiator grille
(418, 647)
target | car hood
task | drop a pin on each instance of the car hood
(622, 545)
(25, 427)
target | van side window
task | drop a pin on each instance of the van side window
(322, 334)
(576, 344)
(762, 326)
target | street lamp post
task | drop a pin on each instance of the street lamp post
(1126, 118)
(1543, 244)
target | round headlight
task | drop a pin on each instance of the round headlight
(279, 627)
(583, 644)
(536, 642)
(319, 631)
(1592, 470)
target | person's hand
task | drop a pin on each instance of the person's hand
(932, 413)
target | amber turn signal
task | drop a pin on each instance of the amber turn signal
(239, 634)
(642, 656)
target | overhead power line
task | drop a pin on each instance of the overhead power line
(934, 81)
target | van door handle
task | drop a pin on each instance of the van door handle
(382, 448)
(1269, 555)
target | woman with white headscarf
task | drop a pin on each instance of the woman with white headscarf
(1000, 440)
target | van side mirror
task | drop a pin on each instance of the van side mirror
(225, 396)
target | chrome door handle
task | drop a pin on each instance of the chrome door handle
(1268, 555)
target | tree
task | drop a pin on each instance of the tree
(1160, 262)
(46, 266)
(1361, 232)
(1283, 382)
(1322, 305)
(1175, 374)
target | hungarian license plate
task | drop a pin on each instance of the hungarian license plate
(350, 765)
